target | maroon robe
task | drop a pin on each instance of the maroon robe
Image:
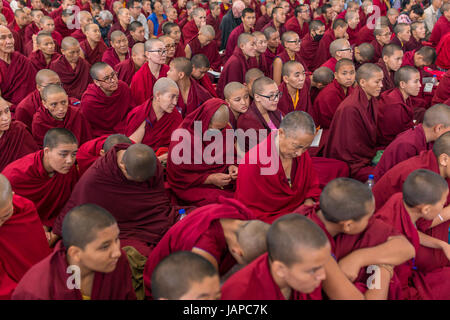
(353, 35)
(206, 83)
(323, 52)
(88, 152)
(107, 114)
(440, 29)
(443, 90)
(270, 56)
(117, 26)
(292, 24)
(443, 52)
(413, 44)
(308, 50)
(30, 30)
(93, 55)
(111, 57)
(179, 52)
(286, 105)
(378, 50)
(388, 76)
(233, 40)
(197, 96)
(79, 35)
(61, 26)
(189, 31)
(330, 64)
(29, 179)
(215, 23)
(75, 81)
(210, 51)
(143, 81)
(365, 34)
(126, 70)
(397, 41)
(48, 280)
(37, 58)
(13, 26)
(22, 245)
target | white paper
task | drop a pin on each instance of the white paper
(317, 138)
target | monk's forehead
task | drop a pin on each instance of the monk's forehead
(3, 105)
(238, 92)
(158, 45)
(56, 96)
(65, 147)
(4, 31)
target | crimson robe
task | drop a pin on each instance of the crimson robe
(30, 30)
(443, 90)
(206, 83)
(75, 81)
(61, 26)
(88, 152)
(423, 99)
(157, 132)
(328, 24)
(22, 245)
(38, 61)
(93, 55)
(189, 31)
(292, 24)
(107, 114)
(186, 180)
(79, 35)
(388, 76)
(353, 35)
(443, 52)
(233, 40)
(8, 13)
(143, 81)
(353, 134)
(15, 143)
(330, 64)
(255, 282)
(196, 97)
(179, 52)
(110, 57)
(74, 121)
(13, 26)
(308, 50)
(323, 52)
(126, 70)
(270, 56)
(378, 50)
(440, 29)
(117, 26)
(397, 41)
(286, 105)
(413, 44)
(29, 179)
(201, 229)
(215, 23)
(17, 79)
(48, 280)
(210, 51)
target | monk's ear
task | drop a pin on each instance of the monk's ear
(74, 253)
(444, 160)
(424, 209)
(237, 252)
(102, 152)
(279, 268)
(285, 79)
(346, 226)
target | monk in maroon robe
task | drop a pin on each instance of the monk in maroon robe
(45, 52)
(278, 20)
(93, 47)
(382, 38)
(248, 23)
(238, 98)
(19, 25)
(84, 19)
(33, 28)
(299, 22)
(339, 49)
(61, 20)
(200, 67)
(442, 51)
(204, 43)
(122, 24)
(192, 27)
(310, 43)
(390, 62)
(354, 26)
(442, 26)
(418, 33)
(274, 47)
(48, 280)
(443, 90)
(119, 50)
(22, 238)
(214, 18)
(128, 67)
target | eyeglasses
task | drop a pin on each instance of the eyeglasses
(346, 49)
(160, 51)
(294, 41)
(272, 97)
(109, 78)
(171, 46)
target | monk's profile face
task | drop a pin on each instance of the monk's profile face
(385, 36)
(93, 33)
(296, 77)
(198, 73)
(6, 40)
(353, 23)
(293, 43)
(274, 41)
(175, 34)
(120, 44)
(47, 45)
(62, 157)
(36, 16)
(5, 117)
(412, 86)
(170, 46)
(345, 76)
(280, 16)
(271, 103)
(206, 289)
(168, 100)
(6, 211)
(22, 19)
(419, 61)
(404, 35)
(430, 212)
(157, 54)
(138, 34)
(173, 73)
(294, 145)
(420, 31)
(239, 100)
(107, 79)
(261, 44)
(48, 25)
(57, 104)
(249, 48)
(394, 62)
(72, 54)
(249, 20)
(124, 17)
(353, 227)
(373, 85)
(139, 58)
(172, 14)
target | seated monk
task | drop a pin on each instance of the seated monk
(15, 139)
(33, 28)
(352, 18)
(119, 50)
(250, 77)
(443, 90)
(382, 37)
(45, 51)
(46, 178)
(137, 34)
(84, 18)
(353, 130)
(310, 43)
(200, 68)
(23, 242)
(402, 36)
(170, 45)
(239, 63)
(192, 27)
(173, 30)
(191, 94)
(248, 19)
(321, 77)
(202, 182)
(128, 67)
(102, 277)
(412, 142)
(106, 102)
(96, 148)
(292, 179)
(19, 24)
(442, 26)
(144, 79)
(418, 33)
(274, 47)
(422, 197)
(57, 113)
(153, 122)
(143, 212)
(362, 54)
(292, 87)
(236, 94)
(225, 233)
(260, 59)
(93, 47)
(71, 68)
(184, 275)
(16, 71)
(443, 52)
(299, 22)
(48, 25)
(339, 49)
(390, 62)
(204, 43)
(122, 24)
(358, 240)
(287, 271)
(396, 111)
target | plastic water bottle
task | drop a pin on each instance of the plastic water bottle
(182, 213)
(434, 81)
(370, 182)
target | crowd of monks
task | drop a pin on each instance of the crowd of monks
(339, 188)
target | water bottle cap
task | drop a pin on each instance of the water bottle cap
(371, 176)
(434, 76)
(181, 211)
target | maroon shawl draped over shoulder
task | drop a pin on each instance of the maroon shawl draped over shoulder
(196, 97)
(443, 90)
(88, 152)
(125, 70)
(110, 57)
(388, 76)
(211, 51)
(323, 52)
(93, 55)
(38, 60)
(143, 81)
(308, 50)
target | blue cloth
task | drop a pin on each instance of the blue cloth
(154, 19)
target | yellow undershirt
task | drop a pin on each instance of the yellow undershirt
(85, 297)
(295, 100)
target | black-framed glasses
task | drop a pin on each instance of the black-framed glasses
(160, 51)
(109, 78)
(345, 49)
(272, 97)
(294, 41)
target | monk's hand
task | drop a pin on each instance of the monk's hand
(163, 158)
(35, 46)
(350, 266)
(309, 202)
(218, 179)
(233, 171)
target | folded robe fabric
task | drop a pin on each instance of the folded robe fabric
(443, 90)
(143, 82)
(110, 57)
(196, 97)
(88, 152)
(38, 60)
(93, 55)
(125, 70)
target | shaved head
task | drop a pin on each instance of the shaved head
(253, 74)
(96, 68)
(182, 64)
(298, 121)
(208, 31)
(244, 38)
(232, 87)
(41, 35)
(367, 51)
(423, 187)
(5, 191)
(57, 136)
(114, 139)
(289, 66)
(437, 114)
(44, 76)
(367, 71)
(337, 45)
(163, 85)
(260, 84)
(51, 89)
(222, 115)
(140, 162)
(115, 35)
(138, 48)
(200, 61)
(149, 44)
(343, 62)
(69, 42)
(442, 145)
(323, 75)
(252, 239)
(404, 74)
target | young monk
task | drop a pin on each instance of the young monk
(119, 50)
(353, 130)
(294, 81)
(71, 68)
(410, 143)
(127, 68)
(191, 94)
(57, 113)
(224, 233)
(200, 67)
(353, 20)
(170, 47)
(90, 244)
(137, 33)
(418, 33)
(204, 43)
(321, 77)
(153, 122)
(248, 23)
(390, 62)
(184, 275)
(22, 239)
(144, 79)
(236, 94)
(424, 194)
(45, 51)
(382, 37)
(93, 46)
(339, 49)
(84, 18)
(362, 54)
(107, 101)
(202, 182)
(45, 177)
(48, 25)
(299, 23)
(274, 47)
(15, 139)
(260, 59)
(402, 36)
(250, 77)
(173, 30)
(310, 43)
(396, 111)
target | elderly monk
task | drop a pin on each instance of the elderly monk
(358, 240)
(224, 233)
(238, 98)
(119, 50)
(58, 113)
(192, 95)
(422, 200)
(122, 24)
(382, 34)
(15, 139)
(184, 275)
(171, 47)
(402, 36)
(443, 90)
(192, 27)
(310, 43)
(45, 51)
(107, 101)
(410, 143)
(153, 122)
(299, 22)
(353, 20)
(71, 68)
(442, 26)
(200, 68)
(103, 276)
(204, 43)
(390, 62)
(22, 239)
(127, 68)
(48, 176)
(396, 112)
(202, 182)
(353, 130)
(143, 212)
(239, 63)
(84, 19)
(144, 79)
(339, 49)
(93, 46)
(248, 23)
(16, 71)
(292, 180)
